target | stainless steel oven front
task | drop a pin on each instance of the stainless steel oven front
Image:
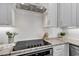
(44, 52)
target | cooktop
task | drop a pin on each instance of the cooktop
(29, 44)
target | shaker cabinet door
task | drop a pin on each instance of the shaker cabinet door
(3, 14)
(58, 50)
(61, 50)
(64, 14)
(6, 14)
(77, 14)
(50, 17)
(52, 14)
(73, 15)
(67, 15)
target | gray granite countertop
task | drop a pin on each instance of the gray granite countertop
(73, 41)
(55, 41)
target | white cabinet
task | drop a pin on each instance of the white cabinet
(73, 15)
(6, 14)
(77, 11)
(61, 15)
(58, 50)
(66, 14)
(61, 50)
(52, 14)
(50, 17)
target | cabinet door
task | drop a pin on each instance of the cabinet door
(11, 14)
(58, 50)
(52, 14)
(50, 19)
(61, 50)
(77, 14)
(73, 14)
(6, 14)
(3, 14)
(64, 15)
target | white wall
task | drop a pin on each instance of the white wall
(29, 26)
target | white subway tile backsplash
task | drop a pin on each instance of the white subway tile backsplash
(73, 33)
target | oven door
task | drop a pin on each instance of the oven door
(44, 52)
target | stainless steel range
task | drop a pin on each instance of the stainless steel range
(32, 48)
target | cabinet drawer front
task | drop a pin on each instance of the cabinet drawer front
(59, 47)
(59, 54)
(57, 51)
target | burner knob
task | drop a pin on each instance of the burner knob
(34, 45)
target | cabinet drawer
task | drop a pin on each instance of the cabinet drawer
(57, 51)
(59, 54)
(59, 47)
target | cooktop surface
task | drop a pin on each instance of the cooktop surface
(29, 44)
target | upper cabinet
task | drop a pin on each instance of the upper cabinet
(66, 14)
(7, 14)
(60, 15)
(73, 15)
(50, 16)
(77, 13)
(56, 15)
